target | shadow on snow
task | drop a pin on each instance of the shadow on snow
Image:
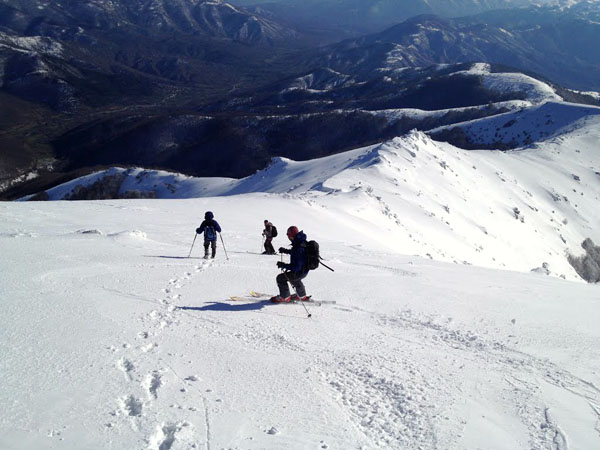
(172, 257)
(232, 307)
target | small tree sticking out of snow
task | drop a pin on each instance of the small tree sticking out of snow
(587, 265)
(517, 213)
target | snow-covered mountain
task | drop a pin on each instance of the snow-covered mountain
(73, 19)
(390, 83)
(93, 53)
(98, 49)
(113, 338)
(361, 17)
(453, 319)
(183, 85)
(342, 111)
(66, 64)
(518, 210)
(531, 39)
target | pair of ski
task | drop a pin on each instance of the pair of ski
(254, 294)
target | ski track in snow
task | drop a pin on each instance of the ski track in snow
(516, 366)
(166, 432)
(385, 377)
(394, 403)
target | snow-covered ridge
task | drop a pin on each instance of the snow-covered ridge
(27, 44)
(135, 183)
(321, 80)
(523, 126)
(420, 114)
(536, 91)
(531, 89)
(515, 210)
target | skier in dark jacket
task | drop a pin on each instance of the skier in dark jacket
(295, 271)
(210, 227)
(268, 234)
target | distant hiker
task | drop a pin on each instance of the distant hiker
(269, 233)
(295, 271)
(210, 228)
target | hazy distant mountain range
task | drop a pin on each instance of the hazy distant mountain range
(559, 45)
(354, 17)
(124, 52)
(207, 88)
(70, 19)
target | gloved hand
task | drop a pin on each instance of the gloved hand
(281, 264)
(283, 250)
(198, 230)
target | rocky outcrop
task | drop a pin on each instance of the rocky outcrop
(587, 265)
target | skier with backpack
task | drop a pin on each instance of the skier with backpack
(269, 233)
(210, 227)
(296, 270)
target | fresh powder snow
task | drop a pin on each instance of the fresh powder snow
(113, 338)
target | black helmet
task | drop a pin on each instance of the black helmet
(209, 215)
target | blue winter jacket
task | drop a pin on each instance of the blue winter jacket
(298, 255)
(208, 236)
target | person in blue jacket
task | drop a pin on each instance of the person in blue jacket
(295, 271)
(210, 227)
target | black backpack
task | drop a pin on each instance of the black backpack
(210, 234)
(273, 231)
(312, 255)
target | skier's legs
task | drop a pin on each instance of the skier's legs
(206, 244)
(268, 246)
(213, 245)
(284, 289)
(295, 280)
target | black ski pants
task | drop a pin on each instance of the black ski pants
(213, 245)
(269, 247)
(295, 279)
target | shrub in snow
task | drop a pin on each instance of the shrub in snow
(591, 249)
(587, 265)
(517, 214)
(104, 189)
(40, 197)
(109, 187)
(545, 269)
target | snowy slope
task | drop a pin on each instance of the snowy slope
(113, 338)
(515, 210)
(524, 126)
(533, 89)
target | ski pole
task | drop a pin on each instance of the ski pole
(325, 265)
(190, 254)
(224, 249)
(305, 308)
